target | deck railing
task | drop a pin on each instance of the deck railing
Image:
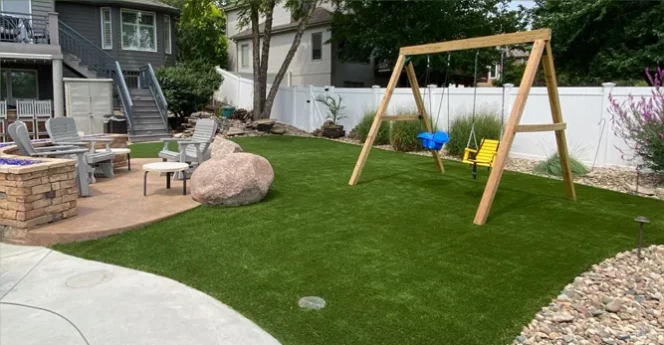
(149, 80)
(24, 28)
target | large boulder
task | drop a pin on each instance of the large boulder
(232, 180)
(221, 146)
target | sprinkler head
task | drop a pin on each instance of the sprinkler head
(642, 220)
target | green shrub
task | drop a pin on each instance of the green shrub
(403, 136)
(487, 126)
(551, 166)
(188, 87)
(362, 129)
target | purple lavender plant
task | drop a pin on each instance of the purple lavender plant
(640, 122)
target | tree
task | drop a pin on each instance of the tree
(201, 32)
(250, 15)
(596, 41)
(188, 87)
(365, 28)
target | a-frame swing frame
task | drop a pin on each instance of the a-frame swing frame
(541, 52)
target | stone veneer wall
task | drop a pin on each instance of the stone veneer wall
(36, 194)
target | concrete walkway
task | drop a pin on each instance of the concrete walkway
(86, 302)
(117, 205)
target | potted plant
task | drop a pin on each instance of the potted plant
(331, 129)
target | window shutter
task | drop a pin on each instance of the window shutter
(106, 29)
(167, 34)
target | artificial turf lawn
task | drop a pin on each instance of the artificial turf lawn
(396, 257)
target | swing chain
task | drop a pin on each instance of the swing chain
(472, 136)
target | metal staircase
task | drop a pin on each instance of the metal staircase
(145, 108)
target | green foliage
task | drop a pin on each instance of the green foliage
(551, 166)
(201, 33)
(364, 28)
(362, 129)
(403, 134)
(188, 88)
(334, 107)
(487, 126)
(602, 40)
(640, 122)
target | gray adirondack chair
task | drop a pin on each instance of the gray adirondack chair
(19, 133)
(195, 150)
(62, 131)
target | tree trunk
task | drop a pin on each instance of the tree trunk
(289, 57)
(255, 32)
(265, 55)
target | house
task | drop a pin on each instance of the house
(44, 41)
(314, 63)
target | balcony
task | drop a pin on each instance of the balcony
(24, 35)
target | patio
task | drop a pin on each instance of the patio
(116, 205)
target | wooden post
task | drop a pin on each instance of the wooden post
(510, 131)
(556, 113)
(419, 102)
(380, 113)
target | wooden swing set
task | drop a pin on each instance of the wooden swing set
(541, 52)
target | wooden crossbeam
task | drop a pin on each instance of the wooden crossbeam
(542, 128)
(401, 117)
(479, 42)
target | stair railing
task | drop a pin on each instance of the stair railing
(72, 42)
(149, 80)
(125, 96)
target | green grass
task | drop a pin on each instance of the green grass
(396, 257)
(149, 150)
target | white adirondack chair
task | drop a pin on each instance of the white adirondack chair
(62, 131)
(19, 133)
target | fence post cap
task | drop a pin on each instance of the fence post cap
(609, 84)
(375, 86)
(508, 85)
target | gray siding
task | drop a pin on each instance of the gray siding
(86, 19)
(42, 7)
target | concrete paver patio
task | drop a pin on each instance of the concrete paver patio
(116, 205)
(47, 297)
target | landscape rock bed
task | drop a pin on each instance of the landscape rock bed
(619, 301)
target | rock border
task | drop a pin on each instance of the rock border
(618, 301)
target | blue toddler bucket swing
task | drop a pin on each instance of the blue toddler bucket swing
(437, 139)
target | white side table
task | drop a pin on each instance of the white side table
(120, 151)
(166, 167)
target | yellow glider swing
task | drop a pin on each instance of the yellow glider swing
(483, 154)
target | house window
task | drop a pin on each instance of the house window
(139, 31)
(106, 29)
(316, 46)
(18, 84)
(245, 55)
(167, 34)
(15, 6)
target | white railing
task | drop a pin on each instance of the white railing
(590, 134)
(3, 110)
(43, 109)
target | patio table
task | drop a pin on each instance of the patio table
(166, 167)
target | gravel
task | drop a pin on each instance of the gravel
(581, 319)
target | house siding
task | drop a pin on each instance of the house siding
(86, 19)
(303, 70)
(42, 7)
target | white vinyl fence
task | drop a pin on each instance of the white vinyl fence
(590, 135)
